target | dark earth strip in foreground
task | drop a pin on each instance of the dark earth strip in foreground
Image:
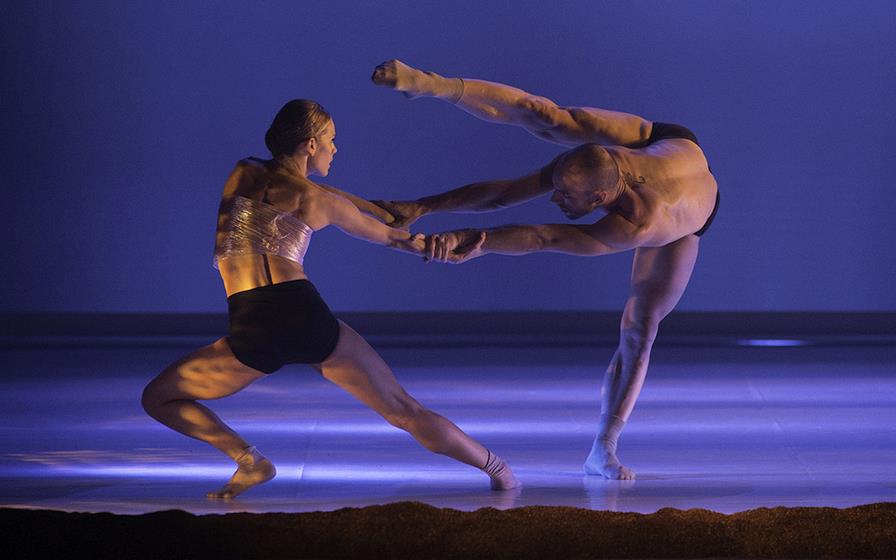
(415, 530)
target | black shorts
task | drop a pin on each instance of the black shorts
(663, 131)
(285, 323)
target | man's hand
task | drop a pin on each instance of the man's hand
(454, 247)
(404, 212)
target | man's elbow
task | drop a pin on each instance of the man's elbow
(582, 248)
(500, 198)
(543, 239)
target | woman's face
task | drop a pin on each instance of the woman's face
(319, 163)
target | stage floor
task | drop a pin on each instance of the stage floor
(721, 428)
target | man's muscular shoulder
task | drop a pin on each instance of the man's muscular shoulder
(678, 154)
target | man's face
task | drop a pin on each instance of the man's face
(573, 200)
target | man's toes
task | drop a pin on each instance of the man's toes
(379, 76)
(618, 472)
(385, 74)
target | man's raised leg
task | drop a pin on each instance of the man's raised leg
(489, 101)
(659, 278)
(504, 104)
(414, 83)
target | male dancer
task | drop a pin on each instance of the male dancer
(650, 179)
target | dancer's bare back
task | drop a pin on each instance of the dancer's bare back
(674, 192)
(316, 205)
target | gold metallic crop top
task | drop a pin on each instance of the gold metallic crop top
(258, 228)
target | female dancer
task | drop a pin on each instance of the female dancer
(268, 212)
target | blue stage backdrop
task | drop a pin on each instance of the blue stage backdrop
(121, 121)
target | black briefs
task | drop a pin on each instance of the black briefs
(285, 323)
(662, 131)
(709, 220)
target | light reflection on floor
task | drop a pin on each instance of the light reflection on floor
(726, 429)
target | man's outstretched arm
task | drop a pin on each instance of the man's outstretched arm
(484, 196)
(612, 234)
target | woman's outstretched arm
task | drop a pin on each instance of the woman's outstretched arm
(341, 213)
(362, 204)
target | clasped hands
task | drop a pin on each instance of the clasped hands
(454, 247)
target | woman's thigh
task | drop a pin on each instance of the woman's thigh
(211, 372)
(356, 367)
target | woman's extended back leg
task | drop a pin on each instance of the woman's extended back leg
(357, 368)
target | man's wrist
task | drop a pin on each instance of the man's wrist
(472, 238)
(482, 248)
(426, 205)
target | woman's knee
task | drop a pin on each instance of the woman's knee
(152, 397)
(157, 392)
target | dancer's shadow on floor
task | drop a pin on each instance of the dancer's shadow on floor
(629, 495)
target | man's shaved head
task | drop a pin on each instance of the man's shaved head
(584, 179)
(588, 167)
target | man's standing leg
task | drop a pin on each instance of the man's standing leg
(659, 278)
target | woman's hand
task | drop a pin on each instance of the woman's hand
(454, 247)
(418, 243)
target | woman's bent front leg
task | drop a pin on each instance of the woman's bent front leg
(212, 372)
(357, 368)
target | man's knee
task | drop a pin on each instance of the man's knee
(540, 111)
(638, 331)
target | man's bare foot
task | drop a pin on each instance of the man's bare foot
(254, 469)
(415, 83)
(603, 461)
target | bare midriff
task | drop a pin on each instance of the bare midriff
(245, 272)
